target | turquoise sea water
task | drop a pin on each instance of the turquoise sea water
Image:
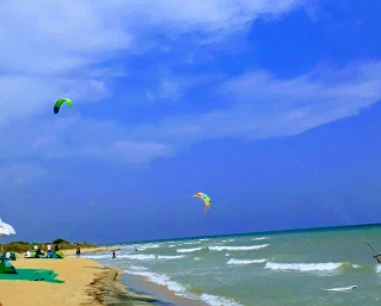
(292, 268)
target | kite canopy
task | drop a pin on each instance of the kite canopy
(205, 198)
(59, 102)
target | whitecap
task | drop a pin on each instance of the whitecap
(218, 301)
(192, 242)
(237, 248)
(189, 250)
(305, 267)
(341, 288)
(233, 261)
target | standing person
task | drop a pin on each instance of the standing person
(113, 254)
(56, 249)
(78, 250)
(49, 252)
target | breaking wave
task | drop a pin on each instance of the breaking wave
(307, 267)
(237, 248)
(245, 261)
(189, 250)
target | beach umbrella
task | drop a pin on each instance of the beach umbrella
(6, 230)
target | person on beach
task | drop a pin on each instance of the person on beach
(113, 254)
(78, 250)
(49, 249)
(39, 252)
(56, 249)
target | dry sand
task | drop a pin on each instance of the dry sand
(87, 283)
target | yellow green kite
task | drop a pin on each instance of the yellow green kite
(205, 198)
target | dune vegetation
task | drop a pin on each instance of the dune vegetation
(22, 246)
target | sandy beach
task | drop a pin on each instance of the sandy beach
(85, 283)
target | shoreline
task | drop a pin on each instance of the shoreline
(164, 296)
(141, 286)
(107, 289)
(86, 283)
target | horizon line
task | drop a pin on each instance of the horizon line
(249, 233)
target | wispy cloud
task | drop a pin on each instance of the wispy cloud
(21, 173)
(262, 105)
(77, 137)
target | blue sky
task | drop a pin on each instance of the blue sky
(270, 107)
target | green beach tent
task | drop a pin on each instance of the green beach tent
(58, 255)
(6, 267)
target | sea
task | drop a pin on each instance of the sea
(326, 266)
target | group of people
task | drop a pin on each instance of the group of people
(56, 249)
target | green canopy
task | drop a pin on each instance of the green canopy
(33, 275)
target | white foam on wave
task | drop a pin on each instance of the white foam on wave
(233, 261)
(204, 239)
(189, 250)
(197, 258)
(227, 254)
(150, 256)
(378, 268)
(260, 238)
(138, 256)
(192, 242)
(218, 301)
(237, 248)
(355, 266)
(170, 256)
(341, 288)
(148, 246)
(138, 268)
(96, 256)
(163, 280)
(180, 290)
(172, 245)
(305, 267)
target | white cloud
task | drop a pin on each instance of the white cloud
(167, 89)
(60, 36)
(23, 96)
(127, 151)
(75, 136)
(21, 173)
(52, 49)
(263, 106)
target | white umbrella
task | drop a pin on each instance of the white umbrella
(6, 230)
